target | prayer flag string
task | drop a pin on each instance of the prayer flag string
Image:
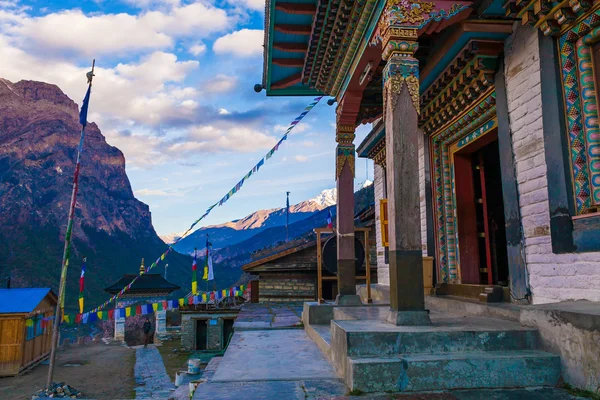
(223, 200)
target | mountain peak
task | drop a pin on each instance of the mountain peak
(326, 198)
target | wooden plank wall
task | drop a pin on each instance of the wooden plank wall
(12, 335)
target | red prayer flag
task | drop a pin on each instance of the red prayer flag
(191, 300)
(138, 310)
(111, 314)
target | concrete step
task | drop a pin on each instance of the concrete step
(321, 335)
(386, 340)
(428, 372)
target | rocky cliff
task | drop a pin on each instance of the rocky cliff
(39, 133)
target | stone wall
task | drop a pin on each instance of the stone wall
(383, 271)
(188, 332)
(287, 289)
(552, 277)
(214, 334)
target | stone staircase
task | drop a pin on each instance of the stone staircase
(454, 352)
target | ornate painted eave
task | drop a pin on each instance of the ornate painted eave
(552, 17)
(337, 29)
(470, 74)
(287, 30)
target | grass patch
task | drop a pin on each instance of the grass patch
(130, 361)
(173, 361)
(581, 392)
(356, 392)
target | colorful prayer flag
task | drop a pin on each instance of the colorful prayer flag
(128, 312)
(329, 220)
(155, 307)
(81, 286)
(181, 302)
(208, 264)
(84, 107)
(194, 280)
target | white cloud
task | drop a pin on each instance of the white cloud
(301, 127)
(221, 84)
(223, 111)
(301, 158)
(209, 138)
(151, 192)
(72, 31)
(242, 43)
(197, 49)
(258, 5)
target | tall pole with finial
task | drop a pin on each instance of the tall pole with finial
(65, 261)
(287, 216)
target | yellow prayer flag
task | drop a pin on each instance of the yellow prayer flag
(162, 257)
(204, 297)
(194, 288)
(205, 276)
(128, 312)
(81, 305)
(224, 292)
(181, 302)
(155, 306)
(100, 314)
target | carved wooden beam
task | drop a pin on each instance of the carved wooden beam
(293, 29)
(296, 8)
(291, 47)
(287, 82)
(288, 62)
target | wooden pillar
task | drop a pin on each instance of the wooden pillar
(401, 108)
(344, 174)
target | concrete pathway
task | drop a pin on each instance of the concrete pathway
(271, 357)
(150, 375)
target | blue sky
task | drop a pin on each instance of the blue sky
(174, 91)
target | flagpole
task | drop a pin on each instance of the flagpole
(65, 261)
(287, 215)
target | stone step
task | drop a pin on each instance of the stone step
(428, 372)
(386, 340)
(321, 335)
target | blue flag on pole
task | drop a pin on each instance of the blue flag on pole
(84, 107)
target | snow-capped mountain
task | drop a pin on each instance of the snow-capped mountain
(232, 232)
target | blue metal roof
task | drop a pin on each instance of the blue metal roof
(21, 300)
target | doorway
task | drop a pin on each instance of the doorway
(201, 334)
(480, 213)
(227, 331)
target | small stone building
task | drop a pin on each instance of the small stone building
(147, 288)
(289, 273)
(205, 327)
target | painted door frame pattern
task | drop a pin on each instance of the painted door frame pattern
(472, 124)
(468, 139)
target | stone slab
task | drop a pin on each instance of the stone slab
(272, 355)
(477, 370)
(271, 390)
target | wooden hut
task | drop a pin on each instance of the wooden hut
(25, 327)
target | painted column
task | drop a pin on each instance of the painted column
(160, 332)
(344, 174)
(401, 109)
(120, 329)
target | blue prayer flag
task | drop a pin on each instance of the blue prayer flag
(84, 107)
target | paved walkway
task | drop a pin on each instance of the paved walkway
(150, 375)
(271, 357)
